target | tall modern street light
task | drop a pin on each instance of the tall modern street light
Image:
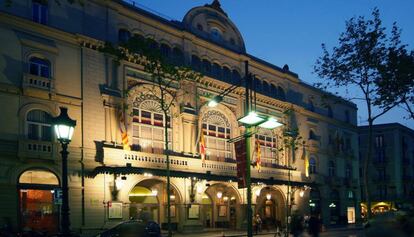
(64, 127)
(251, 119)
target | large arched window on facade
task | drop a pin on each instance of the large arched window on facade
(148, 127)
(217, 130)
(38, 125)
(268, 147)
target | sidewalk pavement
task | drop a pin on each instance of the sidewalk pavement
(333, 231)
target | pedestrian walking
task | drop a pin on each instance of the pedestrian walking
(258, 223)
(314, 226)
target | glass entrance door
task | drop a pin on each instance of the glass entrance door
(38, 210)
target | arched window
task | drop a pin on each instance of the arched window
(330, 112)
(348, 171)
(347, 116)
(38, 125)
(206, 67)
(273, 90)
(312, 135)
(38, 176)
(235, 77)
(216, 71)
(268, 147)
(39, 67)
(165, 51)
(257, 85)
(196, 63)
(123, 35)
(281, 93)
(148, 127)
(331, 168)
(311, 106)
(178, 56)
(153, 44)
(226, 74)
(40, 11)
(312, 165)
(266, 89)
(217, 129)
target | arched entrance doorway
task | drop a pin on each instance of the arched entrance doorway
(148, 201)
(270, 205)
(39, 200)
(222, 207)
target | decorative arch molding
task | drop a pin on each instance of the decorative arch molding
(227, 186)
(137, 179)
(224, 110)
(18, 171)
(25, 109)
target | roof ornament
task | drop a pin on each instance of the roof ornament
(216, 6)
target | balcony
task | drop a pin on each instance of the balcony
(115, 157)
(37, 149)
(42, 83)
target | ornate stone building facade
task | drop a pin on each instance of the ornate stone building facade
(50, 58)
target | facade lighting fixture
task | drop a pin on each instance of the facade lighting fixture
(215, 101)
(270, 123)
(251, 119)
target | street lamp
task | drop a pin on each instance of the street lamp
(64, 127)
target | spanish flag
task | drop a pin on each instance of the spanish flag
(202, 147)
(258, 155)
(123, 128)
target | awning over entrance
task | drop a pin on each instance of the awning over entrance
(124, 170)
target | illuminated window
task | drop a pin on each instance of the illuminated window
(217, 131)
(38, 125)
(39, 11)
(39, 67)
(268, 147)
(148, 127)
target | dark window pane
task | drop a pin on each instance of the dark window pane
(44, 72)
(34, 69)
(212, 127)
(220, 129)
(32, 131)
(46, 133)
(145, 114)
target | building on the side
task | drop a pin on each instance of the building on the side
(390, 176)
(50, 58)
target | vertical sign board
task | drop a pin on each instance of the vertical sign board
(240, 147)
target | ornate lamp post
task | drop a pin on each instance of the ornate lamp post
(64, 127)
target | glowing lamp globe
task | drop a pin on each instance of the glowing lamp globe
(64, 126)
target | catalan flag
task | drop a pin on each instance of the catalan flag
(123, 128)
(258, 155)
(202, 147)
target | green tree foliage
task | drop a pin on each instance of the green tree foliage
(397, 82)
(358, 63)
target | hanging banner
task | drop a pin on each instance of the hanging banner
(240, 147)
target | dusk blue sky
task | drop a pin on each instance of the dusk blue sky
(291, 31)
